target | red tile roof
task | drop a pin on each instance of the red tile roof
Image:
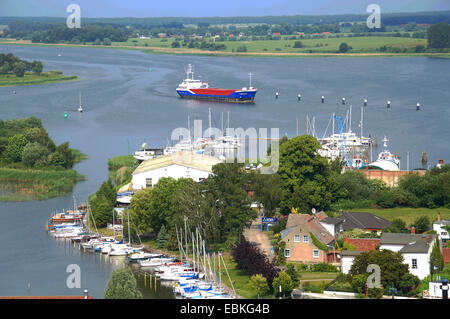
(363, 244)
(446, 255)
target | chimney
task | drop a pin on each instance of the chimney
(413, 230)
(428, 239)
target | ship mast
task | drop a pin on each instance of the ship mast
(250, 77)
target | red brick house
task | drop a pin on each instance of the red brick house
(306, 238)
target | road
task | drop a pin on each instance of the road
(254, 234)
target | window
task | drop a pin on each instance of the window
(316, 253)
(287, 253)
(148, 182)
(296, 238)
(414, 264)
(305, 238)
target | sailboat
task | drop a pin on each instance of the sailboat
(80, 108)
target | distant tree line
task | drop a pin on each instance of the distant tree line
(9, 63)
(56, 32)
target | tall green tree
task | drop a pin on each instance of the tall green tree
(439, 35)
(141, 210)
(268, 191)
(122, 285)
(436, 258)
(391, 265)
(306, 181)
(228, 185)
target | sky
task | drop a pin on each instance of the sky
(208, 8)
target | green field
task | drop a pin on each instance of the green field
(327, 45)
(406, 214)
(360, 46)
(33, 79)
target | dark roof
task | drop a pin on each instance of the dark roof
(351, 252)
(363, 221)
(332, 220)
(412, 243)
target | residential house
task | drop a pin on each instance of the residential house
(335, 226)
(303, 235)
(177, 165)
(365, 221)
(439, 227)
(415, 248)
(360, 245)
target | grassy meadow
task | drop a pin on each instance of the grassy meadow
(30, 184)
(367, 44)
(32, 79)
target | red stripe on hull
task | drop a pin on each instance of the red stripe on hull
(212, 91)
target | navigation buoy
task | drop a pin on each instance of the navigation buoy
(388, 104)
(418, 106)
(14, 91)
(65, 115)
(323, 98)
(365, 102)
(343, 100)
(276, 95)
(299, 97)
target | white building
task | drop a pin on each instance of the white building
(415, 248)
(443, 233)
(347, 258)
(177, 165)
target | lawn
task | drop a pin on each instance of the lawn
(306, 275)
(406, 214)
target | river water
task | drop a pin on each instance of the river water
(129, 98)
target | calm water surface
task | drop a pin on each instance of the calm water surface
(129, 98)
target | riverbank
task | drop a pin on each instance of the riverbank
(258, 51)
(10, 80)
(20, 184)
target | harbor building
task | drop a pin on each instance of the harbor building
(177, 165)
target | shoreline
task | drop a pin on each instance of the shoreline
(197, 52)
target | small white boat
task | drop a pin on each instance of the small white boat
(142, 256)
(154, 262)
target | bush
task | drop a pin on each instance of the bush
(375, 293)
(323, 267)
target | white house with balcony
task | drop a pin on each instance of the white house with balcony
(178, 165)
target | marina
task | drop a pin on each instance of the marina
(124, 105)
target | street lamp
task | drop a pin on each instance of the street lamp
(393, 290)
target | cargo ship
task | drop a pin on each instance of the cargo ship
(191, 88)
